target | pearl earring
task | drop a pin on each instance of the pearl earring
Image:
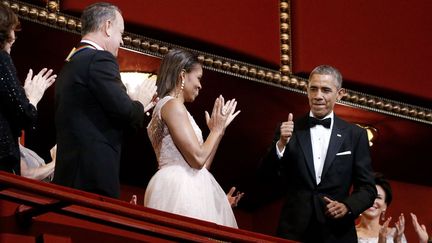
(181, 88)
(383, 215)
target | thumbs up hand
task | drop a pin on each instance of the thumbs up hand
(286, 130)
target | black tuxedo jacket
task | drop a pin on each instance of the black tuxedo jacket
(92, 109)
(347, 166)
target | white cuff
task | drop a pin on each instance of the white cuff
(279, 153)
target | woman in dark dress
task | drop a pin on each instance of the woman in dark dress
(17, 103)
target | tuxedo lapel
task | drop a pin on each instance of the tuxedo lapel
(336, 139)
(305, 142)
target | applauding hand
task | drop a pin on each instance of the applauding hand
(228, 109)
(145, 93)
(233, 200)
(35, 86)
(419, 229)
(222, 115)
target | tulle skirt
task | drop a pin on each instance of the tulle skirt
(189, 192)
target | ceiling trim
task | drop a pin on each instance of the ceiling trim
(51, 16)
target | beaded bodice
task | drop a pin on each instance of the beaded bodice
(166, 151)
(16, 113)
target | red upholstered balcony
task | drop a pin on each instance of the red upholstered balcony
(33, 211)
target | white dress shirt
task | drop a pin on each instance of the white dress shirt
(320, 138)
(98, 47)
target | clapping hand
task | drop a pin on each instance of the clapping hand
(400, 228)
(233, 200)
(222, 115)
(133, 200)
(384, 231)
(419, 229)
(35, 86)
(53, 153)
(229, 110)
(145, 93)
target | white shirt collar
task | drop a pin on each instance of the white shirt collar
(330, 115)
(98, 47)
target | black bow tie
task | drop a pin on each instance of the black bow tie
(314, 121)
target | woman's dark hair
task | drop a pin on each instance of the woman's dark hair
(385, 185)
(172, 64)
(8, 21)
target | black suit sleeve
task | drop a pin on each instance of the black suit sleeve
(105, 83)
(270, 170)
(364, 190)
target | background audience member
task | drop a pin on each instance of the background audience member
(17, 104)
(369, 229)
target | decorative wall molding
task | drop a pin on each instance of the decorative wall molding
(51, 16)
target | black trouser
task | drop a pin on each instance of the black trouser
(332, 231)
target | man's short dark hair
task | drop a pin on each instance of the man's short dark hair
(95, 15)
(328, 70)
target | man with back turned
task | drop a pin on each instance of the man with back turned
(93, 107)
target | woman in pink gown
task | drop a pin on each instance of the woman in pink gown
(183, 185)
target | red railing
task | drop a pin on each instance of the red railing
(33, 200)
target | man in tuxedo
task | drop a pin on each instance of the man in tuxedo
(324, 166)
(93, 107)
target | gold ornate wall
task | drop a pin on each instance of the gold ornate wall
(52, 16)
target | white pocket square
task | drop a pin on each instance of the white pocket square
(343, 153)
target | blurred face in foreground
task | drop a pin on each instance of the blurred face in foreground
(378, 206)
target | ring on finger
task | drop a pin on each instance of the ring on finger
(224, 110)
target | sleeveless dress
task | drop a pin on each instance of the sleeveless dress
(178, 188)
